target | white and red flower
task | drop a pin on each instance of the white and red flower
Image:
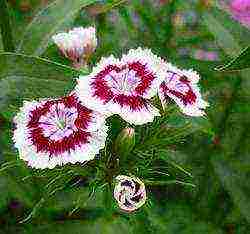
(56, 132)
(124, 86)
(129, 192)
(182, 87)
(77, 45)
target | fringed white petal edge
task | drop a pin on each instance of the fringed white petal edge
(87, 98)
(196, 109)
(154, 64)
(28, 152)
(193, 76)
(143, 116)
(84, 91)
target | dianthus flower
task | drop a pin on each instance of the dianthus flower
(240, 10)
(129, 192)
(124, 86)
(77, 45)
(182, 87)
(58, 131)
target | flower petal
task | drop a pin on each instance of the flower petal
(77, 44)
(141, 116)
(153, 65)
(123, 87)
(129, 192)
(70, 140)
(182, 87)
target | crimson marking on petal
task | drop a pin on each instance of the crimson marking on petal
(188, 97)
(134, 102)
(137, 186)
(146, 77)
(103, 90)
(67, 143)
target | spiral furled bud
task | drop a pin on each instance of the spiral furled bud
(129, 192)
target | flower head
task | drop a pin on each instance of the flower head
(56, 132)
(129, 192)
(77, 45)
(124, 86)
(240, 10)
(182, 87)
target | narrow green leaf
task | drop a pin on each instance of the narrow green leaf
(1, 44)
(55, 17)
(22, 65)
(242, 61)
(231, 163)
(25, 76)
(223, 37)
(34, 211)
(167, 182)
(5, 27)
(5, 195)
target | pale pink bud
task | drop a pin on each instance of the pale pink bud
(77, 45)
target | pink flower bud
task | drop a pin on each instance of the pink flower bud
(77, 45)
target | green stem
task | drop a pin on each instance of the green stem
(164, 183)
(5, 27)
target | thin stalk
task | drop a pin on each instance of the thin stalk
(164, 183)
(5, 26)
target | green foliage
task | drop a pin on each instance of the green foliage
(223, 37)
(195, 170)
(20, 79)
(178, 217)
(102, 226)
(5, 27)
(57, 16)
(233, 151)
(238, 63)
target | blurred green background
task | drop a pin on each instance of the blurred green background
(198, 34)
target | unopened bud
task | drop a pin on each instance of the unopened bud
(77, 45)
(129, 192)
(125, 141)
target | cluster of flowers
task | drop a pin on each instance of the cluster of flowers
(72, 129)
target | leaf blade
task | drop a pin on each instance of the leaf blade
(29, 65)
(25, 76)
(225, 40)
(242, 61)
(56, 16)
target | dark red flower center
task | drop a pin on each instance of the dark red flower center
(124, 85)
(53, 130)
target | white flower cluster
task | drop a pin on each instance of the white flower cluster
(72, 129)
